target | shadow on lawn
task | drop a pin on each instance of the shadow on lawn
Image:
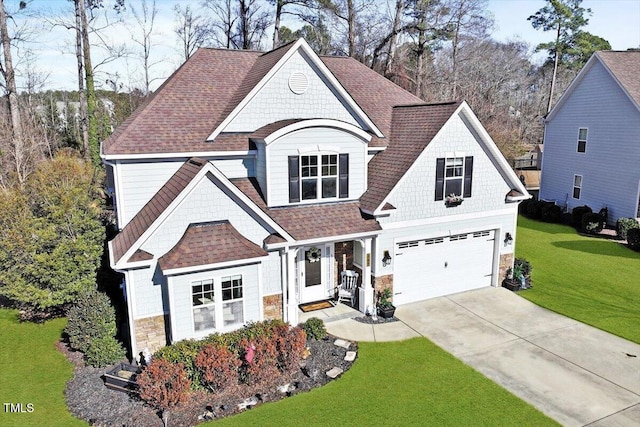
(598, 247)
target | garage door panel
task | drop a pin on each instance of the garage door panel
(428, 268)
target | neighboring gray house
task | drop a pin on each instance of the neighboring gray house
(592, 138)
(250, 180)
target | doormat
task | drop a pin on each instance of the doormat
(313, 306)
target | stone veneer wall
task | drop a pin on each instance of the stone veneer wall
(151, 333)
(272, 306)
(382, 282)
(506, 262)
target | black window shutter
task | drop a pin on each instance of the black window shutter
(343, 172)
(294, 179)
(439, 179)
(468, 174)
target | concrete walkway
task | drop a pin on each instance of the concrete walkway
(575, 374)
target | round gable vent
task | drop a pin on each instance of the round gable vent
(298, 83)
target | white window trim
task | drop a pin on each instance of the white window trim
(453, 178)
(319, 177)
(218, 307)
(585, 141)
(574, 186)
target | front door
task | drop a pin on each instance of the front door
(313, 264)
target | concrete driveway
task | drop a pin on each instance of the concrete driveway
(575, 374)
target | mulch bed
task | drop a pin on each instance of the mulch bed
(89, 399)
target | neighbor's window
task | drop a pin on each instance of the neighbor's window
(232, 311)
(582, 140)
(577, 186)
(318, 176)
(204, 310)
(453, 176)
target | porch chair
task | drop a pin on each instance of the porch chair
(348, 286)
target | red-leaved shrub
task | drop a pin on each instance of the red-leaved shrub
(259, 359)
(164, 385)
(290, 342)
(218, 365)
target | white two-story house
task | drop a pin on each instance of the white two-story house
(249, 180)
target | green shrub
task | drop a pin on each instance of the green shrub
(91, 317)
(534, 209)
(576, 215)
(524, 206)
(314, 328)
(103, 351)
(623, 225)
(592, 223)
(525, 265)
(184, 352)
(551, 213)
(633, 239)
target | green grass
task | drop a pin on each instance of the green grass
(33, 371)
(593, 280)
(404, 383)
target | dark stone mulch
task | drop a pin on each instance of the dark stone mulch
(370, 321)
(89, 399)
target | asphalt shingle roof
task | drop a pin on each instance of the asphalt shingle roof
(209, 243)
(625, 66)
(412, 129)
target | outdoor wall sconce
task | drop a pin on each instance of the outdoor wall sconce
(386, 259)
(508, 239)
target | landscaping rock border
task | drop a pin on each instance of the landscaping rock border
(89, 399)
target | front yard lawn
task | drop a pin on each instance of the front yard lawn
(593, 280)
(33, 371)
(404, 383)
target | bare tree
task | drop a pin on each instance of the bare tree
(145, 18)
(252, 24)
(223, 21)
(191, 29)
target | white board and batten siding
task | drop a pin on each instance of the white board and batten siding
(138, 182)
(180, 295)
(609, 166)
(312, 141)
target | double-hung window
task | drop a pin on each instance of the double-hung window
(582, 140)
(318, 177)
(453, 177)
(204, 305)
(217, 303)
(577, 186)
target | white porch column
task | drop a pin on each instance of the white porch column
(365, 295)
(292, 305)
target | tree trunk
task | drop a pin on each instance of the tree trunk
(351, 22)
(394, 36)
(12, 95)
(276, 27)
(81, 92)
(92, 126)
(556, 60)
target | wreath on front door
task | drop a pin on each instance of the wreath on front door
(314, 254)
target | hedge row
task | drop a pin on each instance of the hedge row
(249, 355)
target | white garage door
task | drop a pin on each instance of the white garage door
(429, 268)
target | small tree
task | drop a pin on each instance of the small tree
(219, 366)
(164, 386)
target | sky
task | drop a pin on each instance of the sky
(617, 21)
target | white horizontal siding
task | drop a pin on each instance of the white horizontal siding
(149, 296)
(609, 166)
(313, 139)
(140, 181)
